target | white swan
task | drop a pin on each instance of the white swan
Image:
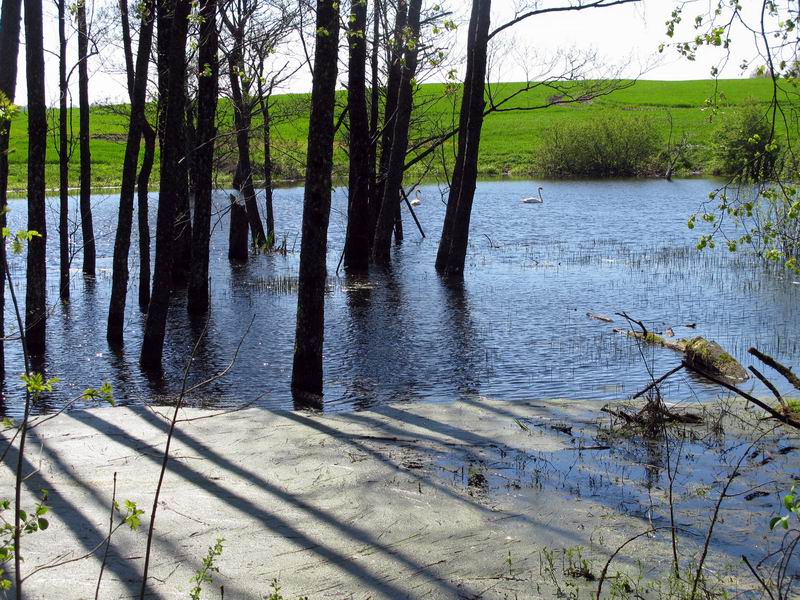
(417, 200)
(534, 199)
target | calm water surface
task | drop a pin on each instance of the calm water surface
(516, 329)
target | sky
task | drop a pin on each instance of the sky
(623, 35)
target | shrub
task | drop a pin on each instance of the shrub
(616, 145)
(742, 147)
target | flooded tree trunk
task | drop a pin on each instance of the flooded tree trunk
(374, 117)
(173, 151)
(36, 288)
(242, 121)
(143, 197)
(87, 224)
(122, 241)
(357, 244)
(63, 156)
(309, 334)
(237, 237)
(10, 23)
(394, 175)
(203, 162)
(390, 111)
(268, 196)
(183, 216)
(455, 233)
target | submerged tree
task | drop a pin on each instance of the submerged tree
(395, 166)
(203, 163)
(309, 334)
(357, 243)
(36, 288)
(87, 224)
(455, 231)
(63, 153)
(122, 242)
(10, 22)
(172, 185)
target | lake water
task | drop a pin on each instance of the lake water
(517, 328)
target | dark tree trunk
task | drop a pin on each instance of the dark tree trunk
(265, 112)
(36, 290)
(237, 238)
(309, 334)
(390, 110)
(357, 243)
(143, 196)
(374, 116)
(173, 151)
(394, 173)
(63, 156)
(398, 223)
(183, 217)
(10, 22)
(87, 225)
(241, 121)
(453, 245)
(122, 242)
(143, 181)
(203, 161)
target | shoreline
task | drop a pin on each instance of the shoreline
(445, 500)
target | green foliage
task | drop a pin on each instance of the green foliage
(604, 147)
(104, 393)
(29, 523)
(791, 502)
(19, 238)
(7, 112)
(742, 147)
(205, 573)
(131, 516)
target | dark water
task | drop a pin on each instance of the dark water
(516, 329)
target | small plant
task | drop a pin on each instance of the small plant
(205, 573)
(791, 502)
(29, 523)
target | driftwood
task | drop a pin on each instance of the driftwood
(784, 418)
(602, 318)
(774, 364)
(704, 355)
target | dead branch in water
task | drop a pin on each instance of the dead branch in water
(774, 364)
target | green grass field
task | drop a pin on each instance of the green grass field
(508, 146)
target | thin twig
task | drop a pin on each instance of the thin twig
(108, 540)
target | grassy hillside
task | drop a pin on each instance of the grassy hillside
(508, 146)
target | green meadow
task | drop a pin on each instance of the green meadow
(509, 144)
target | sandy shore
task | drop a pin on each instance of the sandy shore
(450, 500)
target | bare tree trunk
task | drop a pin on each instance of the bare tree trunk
(122, 242)
(142, 204)
(357, 243)
(453, 245)
(183, 217)
(207, 89)
(390, 110)
(394, 175)
(374, 116)
(36, 290)
(237, 237)
(63, 155)
(173, 151)
(143, 181)
(242, 121)
(309, 334)
(10, 21)
(87, 225)
(265, 112)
